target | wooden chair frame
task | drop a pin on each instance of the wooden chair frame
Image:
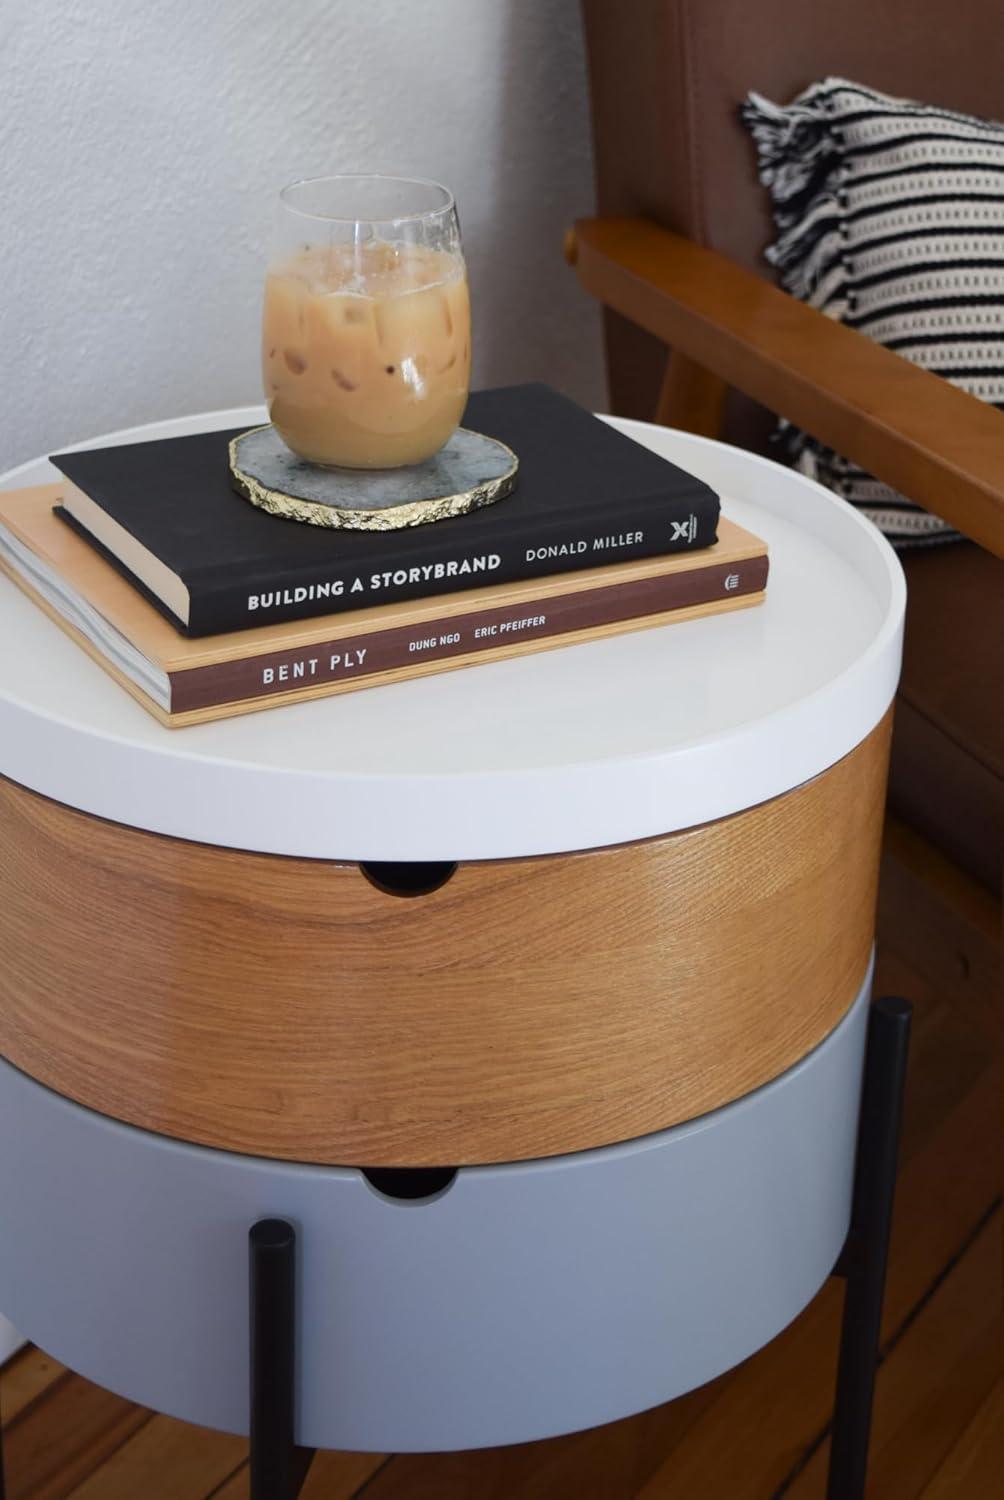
(940, 446)
(725, 326)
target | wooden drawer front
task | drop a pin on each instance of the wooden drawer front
(286, 1007)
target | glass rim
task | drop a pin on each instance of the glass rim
(447, 206)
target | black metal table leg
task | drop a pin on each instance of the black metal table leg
(866, 1252)
(278, 1465)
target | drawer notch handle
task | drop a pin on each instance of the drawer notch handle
(408, 877)
(411, 1184)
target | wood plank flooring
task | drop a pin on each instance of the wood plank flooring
(758, 1433)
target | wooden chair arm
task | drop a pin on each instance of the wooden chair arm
(938, 445)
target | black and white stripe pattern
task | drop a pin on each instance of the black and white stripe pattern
(890, 217)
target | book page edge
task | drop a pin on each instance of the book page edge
(146, 566)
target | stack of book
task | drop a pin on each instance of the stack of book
(202, 606)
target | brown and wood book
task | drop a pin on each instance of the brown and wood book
(187, 681)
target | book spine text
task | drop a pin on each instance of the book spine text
(408, 571)
(371, 653)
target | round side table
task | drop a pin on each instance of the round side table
(531, 999)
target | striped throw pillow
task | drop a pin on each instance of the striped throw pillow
(890, 217)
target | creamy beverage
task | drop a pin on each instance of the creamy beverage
(366, 351)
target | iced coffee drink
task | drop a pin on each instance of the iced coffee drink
(366, 351)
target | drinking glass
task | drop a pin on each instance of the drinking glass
(366, 335)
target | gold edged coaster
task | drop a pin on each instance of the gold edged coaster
(468, 473)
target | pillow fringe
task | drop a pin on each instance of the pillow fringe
(794, 146)
(802, 160)
(798, 159)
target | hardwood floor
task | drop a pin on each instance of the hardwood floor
(757, 1433)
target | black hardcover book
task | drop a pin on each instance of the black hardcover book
(165, 514)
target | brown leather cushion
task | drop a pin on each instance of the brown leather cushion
(947, 774)
(666, 81)
(668, 77)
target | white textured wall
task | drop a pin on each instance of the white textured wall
(142, 143)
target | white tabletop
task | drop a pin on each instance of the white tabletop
(589, 745)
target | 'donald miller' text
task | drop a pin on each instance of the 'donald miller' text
(577, 548)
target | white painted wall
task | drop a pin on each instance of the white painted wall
(141, 146)
(142, 143)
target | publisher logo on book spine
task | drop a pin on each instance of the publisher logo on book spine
(684, 531)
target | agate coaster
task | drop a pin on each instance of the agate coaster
(469, 472)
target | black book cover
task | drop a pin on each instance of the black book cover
(584, 489)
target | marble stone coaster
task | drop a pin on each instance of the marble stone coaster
(469, 472)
